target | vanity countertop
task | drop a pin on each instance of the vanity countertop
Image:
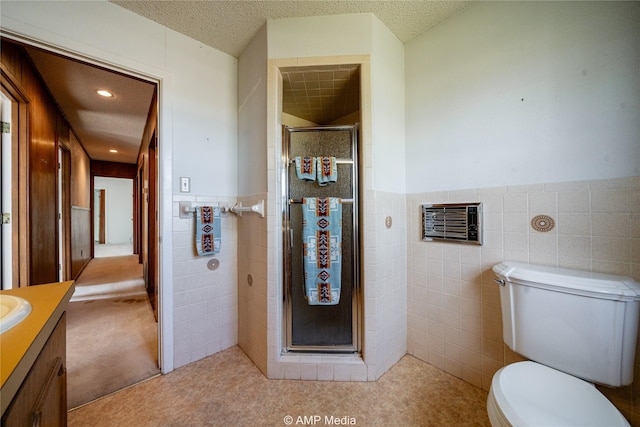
(21, 345)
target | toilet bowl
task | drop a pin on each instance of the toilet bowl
(531, 394)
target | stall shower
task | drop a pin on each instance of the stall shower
(328, 322)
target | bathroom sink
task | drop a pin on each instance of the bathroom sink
(13, 310)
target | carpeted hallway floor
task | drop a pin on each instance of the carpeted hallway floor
(111, 330)
(227, 389)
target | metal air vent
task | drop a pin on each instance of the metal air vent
(455, 222)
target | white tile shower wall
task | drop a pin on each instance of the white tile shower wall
(205, 301)
(385, 303)
(252, 283)
(385, 281)
(454, 317)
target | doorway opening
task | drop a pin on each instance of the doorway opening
(321, 113)
(313, 325)
(5, 194)
(15, 163)
(112, 217)
(70, 196)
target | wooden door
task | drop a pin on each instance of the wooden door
(43, 177)
(102, 239)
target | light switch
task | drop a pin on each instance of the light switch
(185, 184)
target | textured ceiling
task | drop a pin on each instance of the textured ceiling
(229, 26)
(319, 95)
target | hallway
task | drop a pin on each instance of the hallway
(112, 335)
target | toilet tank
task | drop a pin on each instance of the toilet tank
(581, 323)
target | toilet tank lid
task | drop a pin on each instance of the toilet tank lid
(607, 286)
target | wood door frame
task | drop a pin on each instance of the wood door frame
(20, 164)
(152, 223)
(65, 210)
(138, 197)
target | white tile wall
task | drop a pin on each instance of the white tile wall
(385, 280)
(434, 300)
(454, 319)
(205, 301)
(252, 294)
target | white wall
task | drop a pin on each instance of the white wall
(320, 36)
(197, 131)
(204, 117)
(530, 108)
(388, 103)
(118, 208)
(252, 184)
(509, 93)
(252, 116)
(198, 88)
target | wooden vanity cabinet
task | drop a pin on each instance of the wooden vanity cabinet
(41, 400)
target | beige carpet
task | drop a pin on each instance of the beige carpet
(226, 389)
(111, 331)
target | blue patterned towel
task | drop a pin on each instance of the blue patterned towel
(306, 168)
(322, 249)
(208, 234)
(327, 171)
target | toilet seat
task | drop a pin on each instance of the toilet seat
(530, 394)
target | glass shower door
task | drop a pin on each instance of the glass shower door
(321, 328)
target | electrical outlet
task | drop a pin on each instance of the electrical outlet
(185, 184)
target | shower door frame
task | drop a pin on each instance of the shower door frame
(356, 300)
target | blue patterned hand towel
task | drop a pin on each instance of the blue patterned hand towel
(208, 233)
(306, 168)
(327, 171)
(322, 246)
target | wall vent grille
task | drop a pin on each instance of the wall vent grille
(454, 222)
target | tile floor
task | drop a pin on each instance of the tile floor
(226, 389)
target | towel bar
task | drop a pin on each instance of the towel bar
(257, 208)
(338, 161)
(296, 201)
(186, 209)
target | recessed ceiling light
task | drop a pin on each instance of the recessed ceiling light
(104, 93)
(113, 151)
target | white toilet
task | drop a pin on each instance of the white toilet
(577, 328)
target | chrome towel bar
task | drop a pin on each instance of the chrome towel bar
(296, 201)
(187, 208)
(338, 161)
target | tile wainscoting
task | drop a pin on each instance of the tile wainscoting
(454, 318)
